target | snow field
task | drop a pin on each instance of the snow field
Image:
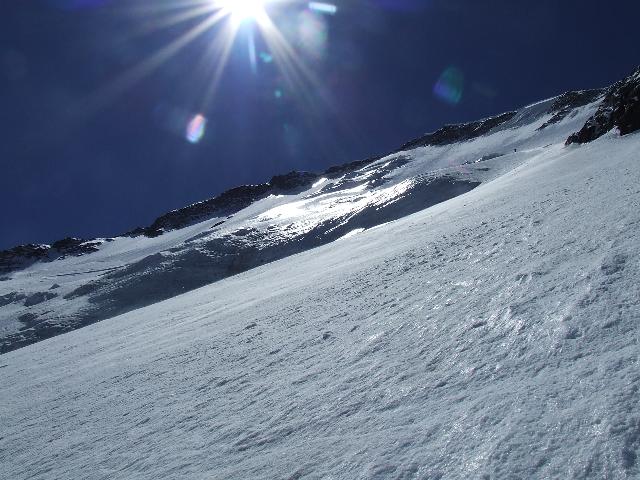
(492, 336)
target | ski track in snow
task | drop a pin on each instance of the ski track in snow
(491, 336)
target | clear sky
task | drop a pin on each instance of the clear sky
(113, 112)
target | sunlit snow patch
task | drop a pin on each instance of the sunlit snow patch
(319, 182)
(353, 233)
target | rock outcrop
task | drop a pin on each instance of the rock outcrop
(568, 102)
(25, 255)
(22, 256)
(227, 203)
(620, 109)
(459, 133)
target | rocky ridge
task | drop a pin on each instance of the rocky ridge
(620, 109)
(568, 102)
(459, 133)
(24, 255)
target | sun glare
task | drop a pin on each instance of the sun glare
(242, 10)
(223, 22)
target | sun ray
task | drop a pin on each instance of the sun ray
(151, 64)
(155, 8)
(153, 25)
(302, 80)
(299, 78)
(220, 50)
(226, 18)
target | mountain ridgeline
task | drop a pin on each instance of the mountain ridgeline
(620, 108)
(51, 289)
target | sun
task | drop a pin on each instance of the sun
(244, 10)
(223, 22)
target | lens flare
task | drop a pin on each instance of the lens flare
(321, 7)
(196, 128)
(294, 47)
(450, 86)
(266, 57)
(313, 34)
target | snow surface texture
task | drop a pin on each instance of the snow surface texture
(125, 273)
(494, 335)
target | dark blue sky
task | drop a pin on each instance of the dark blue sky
(81, 156)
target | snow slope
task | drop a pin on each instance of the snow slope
(52, 297)
(494, 335)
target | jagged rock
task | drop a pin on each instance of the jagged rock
(226, 203)
(22, 256)
(339, 170)
(293, 180)
(568, 102)
(619, 109)
(136, 232)
(459, 133)
(371, 176)
(75, 246)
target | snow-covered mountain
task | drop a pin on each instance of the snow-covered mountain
(465, 307)
(50, 289)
